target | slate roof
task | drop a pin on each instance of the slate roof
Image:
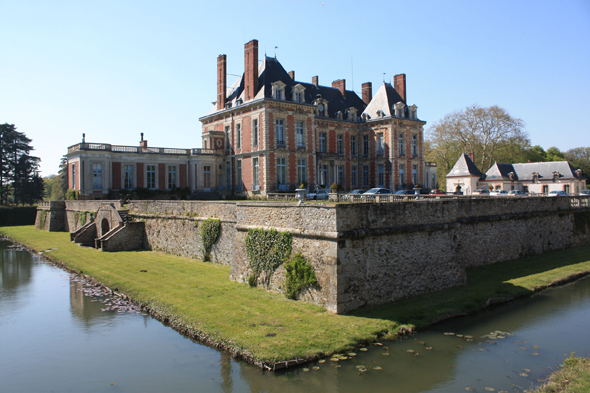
(524, 171)
(384, 100)
(465, 167)
(270, 71)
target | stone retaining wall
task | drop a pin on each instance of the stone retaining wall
(373, 253)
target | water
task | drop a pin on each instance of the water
(55, 338)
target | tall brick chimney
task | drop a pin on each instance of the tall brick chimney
(251, 69)
(292, 74)
(471, 156)
(221, 81)
(315, 80)
(340, 84)
(367, 92)
(399, 84)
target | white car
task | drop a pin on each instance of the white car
(321, 194)
(516, 193)
(499, 193)
(557, 193)
(585, 193)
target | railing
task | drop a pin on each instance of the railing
(139, 149)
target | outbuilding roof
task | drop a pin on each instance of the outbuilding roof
(465, 167)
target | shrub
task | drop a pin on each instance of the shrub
(267, 250)
(299, 275)
(210, 232)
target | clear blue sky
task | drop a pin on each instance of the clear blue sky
(114, 69)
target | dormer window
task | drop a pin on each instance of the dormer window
(413, 112)
(351, 114)
(555, 177)
(380, 113)
(228, 105)
(322, 106)
(535, 177)
(278, 91)
(299, 93)
(365, 117)
(339, 115)
(399, 109)
(239, 102)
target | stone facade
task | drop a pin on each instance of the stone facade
(373, 253)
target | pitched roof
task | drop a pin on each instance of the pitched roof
(524, 171)
(464, 167)
(384, 100)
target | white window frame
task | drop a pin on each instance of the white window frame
(340, 144)
(301, 170)
(238, 136)
(300, 138)
(282, 173)
(414, 144)
(128, 171)
(150, 169)
(254, 132)
(172, 177)
(402, 168)
(381, 176)
(255, 174)
(353, 177)
(366, 176)
(353, 145)
(280, 129)
(97, 176)
(401, 144)
(323, 142)
(415, 174)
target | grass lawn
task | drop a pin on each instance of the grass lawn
(200, 295)
(573, 376)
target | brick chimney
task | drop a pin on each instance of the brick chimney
(315, 80)
(292, 74)
(340, 84)
(221, 81)
(143, 142)
(471, 156)
(251, 69)
(367, 92)
(399, 84)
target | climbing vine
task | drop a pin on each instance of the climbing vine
(210, 232)
(299, 275)
(83, 218)
(267, 250)
(42, 218)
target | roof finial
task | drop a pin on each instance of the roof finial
(276, 47)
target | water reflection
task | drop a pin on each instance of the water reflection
(15, 271)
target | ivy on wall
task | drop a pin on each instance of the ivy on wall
(299, 275)
(210, 232)
(42, 218)
(267, 250)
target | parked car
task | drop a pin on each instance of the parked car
(557, 193)
(516, 193)
(375, 191)
(585, 193)
(437, 192)
(404, 192)
(483, 191)
(357, 192)
(322, 194)
(499, 193)
(348, 195)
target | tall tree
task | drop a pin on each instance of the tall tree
(490, 133)
(579, 157)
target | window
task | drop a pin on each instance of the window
(322, 142)
(298, 97)
(74, 176)
(353, 176)
(255, 174)
(282, 173)
(365, 145)
(301, 172)
(365, 176)
(278, 90)
(414, 144)
(206, 177)
(280, 132)
(324, 176)
(239, 174)
(402, 179)
(380, 143)
(545, 189)
(340, 180)
(300, 134)
(353, 145)
(171, 176)
(381, 178)
(238, 136)
(151, 176)
(227, 141)
(255, 132)
(128, 177)
(401, 144)
(298, 93)
(566, 188)
(339, 144)
(415, 174)
(97, 176)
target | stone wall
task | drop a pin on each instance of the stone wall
(129, 237)
(372, 253)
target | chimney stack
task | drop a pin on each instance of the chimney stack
(142, 143)
(315, 80)
(251, 69)
(221, 81)
(292, 74)
(471, 156)
(340, 84)
(367, 92)
(399, 84)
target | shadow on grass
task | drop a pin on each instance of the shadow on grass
(486, 285)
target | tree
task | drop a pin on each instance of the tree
(579, 158)
(554, 154)
(490, 133)
(19, 171)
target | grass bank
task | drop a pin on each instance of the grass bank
(573, 376)
(265, 328)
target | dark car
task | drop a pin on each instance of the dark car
(405, 192)
(375, 191)
(437, 192)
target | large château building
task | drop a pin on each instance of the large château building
(268, 133)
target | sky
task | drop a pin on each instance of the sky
(115, 69)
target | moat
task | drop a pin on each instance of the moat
(58, 334)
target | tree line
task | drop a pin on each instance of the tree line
(20, 181)
(493, 136)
